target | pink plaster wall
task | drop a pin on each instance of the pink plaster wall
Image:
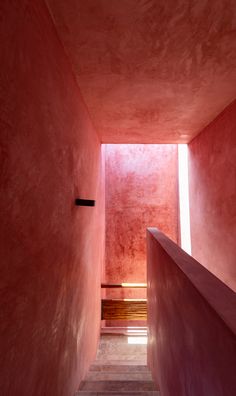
(51, 251)
(191, 324)
(212, 167)
(141, 191)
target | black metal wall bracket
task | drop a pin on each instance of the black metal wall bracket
(84, 202)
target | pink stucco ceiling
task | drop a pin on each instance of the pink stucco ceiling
(150, 71)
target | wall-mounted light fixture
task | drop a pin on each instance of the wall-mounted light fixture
(84, 202)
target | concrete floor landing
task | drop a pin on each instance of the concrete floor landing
(119, 369)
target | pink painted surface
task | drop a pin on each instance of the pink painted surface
(212, 166)
(141, 191)
(164, 69)
(51, 251)
(192, 324)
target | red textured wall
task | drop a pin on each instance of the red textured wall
(212, 167)
(51, 251)
(141, 191)
(191, 324)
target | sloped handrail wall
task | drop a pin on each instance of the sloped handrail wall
(191, 323)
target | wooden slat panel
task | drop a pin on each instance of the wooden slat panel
(124, 309)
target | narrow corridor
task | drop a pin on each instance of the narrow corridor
(120, 368)
(117, 104)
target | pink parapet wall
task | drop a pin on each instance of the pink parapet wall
(191, 324)
(141, 191)
(212, 176)
(51, 250)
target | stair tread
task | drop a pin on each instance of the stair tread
(118, 376)
(126, 362)
(115, 393)
(119, 368)
(100, 386)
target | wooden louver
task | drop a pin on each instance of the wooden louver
(124, 309)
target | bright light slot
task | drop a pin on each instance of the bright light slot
(141, 285)
(184, 198)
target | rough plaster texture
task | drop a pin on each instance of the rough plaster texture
(192, 321)
(141, 191)
(51, 251)
(164, 69)
(212, 166)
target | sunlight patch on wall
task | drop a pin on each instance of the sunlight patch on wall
(137, 340)
(184, 198)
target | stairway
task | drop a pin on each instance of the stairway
(119, 369)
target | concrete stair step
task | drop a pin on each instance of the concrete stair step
(117, 386)
(120, 376)
(125, 346)
(120, 356)
(120, 362)
(108, 357)
(124, 368)
(134, 393)
(131, 351)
